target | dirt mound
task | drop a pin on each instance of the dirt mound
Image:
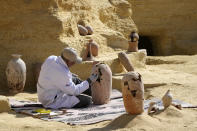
(36, 29)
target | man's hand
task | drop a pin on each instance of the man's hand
(92, 78)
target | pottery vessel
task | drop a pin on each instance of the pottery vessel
(82, 30)
(133, 46)
(88, 54)
(91, 51)
(101, 89)
(133, 93)
(167, 99)
(94, 47)
(16, 74)
(133, 43)
(125, 61)
(90, 30)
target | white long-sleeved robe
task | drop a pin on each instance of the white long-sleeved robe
(55, 87)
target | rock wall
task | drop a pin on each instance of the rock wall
(170, 24)
(39, 28)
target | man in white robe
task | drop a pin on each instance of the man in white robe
(55, 86)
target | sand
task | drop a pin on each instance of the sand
(178, 73)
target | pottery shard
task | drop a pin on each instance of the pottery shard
(101, 89)
(133, 93)
(125, 61)
(4, 104)
(167, 99)
(82, 30)
(90, 30)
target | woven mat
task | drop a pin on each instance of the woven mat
(84, 116)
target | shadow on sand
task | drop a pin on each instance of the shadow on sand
(118, 123)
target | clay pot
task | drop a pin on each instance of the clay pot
(133, 44)
(134, 36)
(36, 71)
(90, 30)
(167, 99)
(91, 51)
(125, 61)
(88, 54)
(16, 74)
(101, 89)
(94, 47)
(133, 93)
(82, 30)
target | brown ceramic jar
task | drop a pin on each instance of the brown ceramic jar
(101, 89)
(133, 93)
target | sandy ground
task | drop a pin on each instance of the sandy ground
(178, 73)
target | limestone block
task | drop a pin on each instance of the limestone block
(4, 104)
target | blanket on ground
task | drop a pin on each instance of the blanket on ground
(89, 115)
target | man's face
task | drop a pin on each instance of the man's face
(70, 63)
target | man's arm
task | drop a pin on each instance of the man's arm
(72, 89)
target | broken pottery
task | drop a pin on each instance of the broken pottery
(153, 108)
(82, 30)
(101, 89)
(133, 44)
(167, 99)
(125, 61)
(90, 30)
(133, 93)
(16, 74)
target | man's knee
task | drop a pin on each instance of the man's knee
(84, 101)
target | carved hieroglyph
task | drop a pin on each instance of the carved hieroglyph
(101, 89)
(16, 74)
(133, 93)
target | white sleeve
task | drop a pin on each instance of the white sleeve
(72, 89)
(66, 85)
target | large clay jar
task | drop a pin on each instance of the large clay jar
(133, 44)
(94, 47)
(101, 89)
(82, 30)
(90, 30)
(125, 61)
(133, 93)
(88, 54)
(16, 74)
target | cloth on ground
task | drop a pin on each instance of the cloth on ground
(91, 114)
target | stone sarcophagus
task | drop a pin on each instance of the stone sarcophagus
(101, 89)
(133, 93)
